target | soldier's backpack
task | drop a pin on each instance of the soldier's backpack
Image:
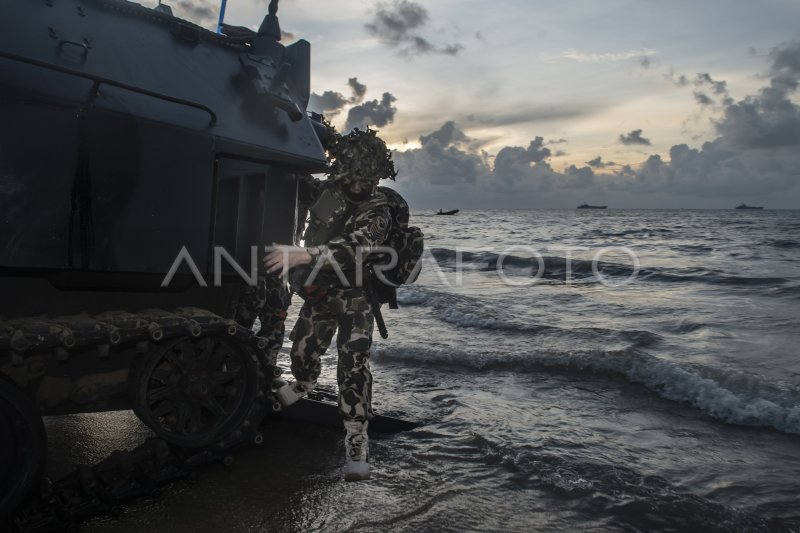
(408, 242)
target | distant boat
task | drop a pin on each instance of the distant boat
(744, 206)
(587, 206)
(451, 212)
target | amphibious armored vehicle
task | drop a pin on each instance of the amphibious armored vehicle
(145, 162)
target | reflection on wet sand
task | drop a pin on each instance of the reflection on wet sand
(275, 487)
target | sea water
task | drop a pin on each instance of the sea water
(617, 369)
(572, 369)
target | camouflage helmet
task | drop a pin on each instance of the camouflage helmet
(360, 156)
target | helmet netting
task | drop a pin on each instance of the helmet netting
(360, 156)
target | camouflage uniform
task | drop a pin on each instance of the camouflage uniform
(268, 301)
(336, 230)
(349, 311)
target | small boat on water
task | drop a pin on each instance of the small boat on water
(451, 212)
(745, 206)
(587, 206)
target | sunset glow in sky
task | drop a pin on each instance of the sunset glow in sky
(521, 103)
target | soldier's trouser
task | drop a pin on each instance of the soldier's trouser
(268, 301)
(349, 311)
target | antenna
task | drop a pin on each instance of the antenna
(221, 14)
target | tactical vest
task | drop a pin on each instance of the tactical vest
(331, 216)
(331, 213)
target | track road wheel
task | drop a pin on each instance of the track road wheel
(198, 392)
(23, 449)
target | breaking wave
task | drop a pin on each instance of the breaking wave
(726, 397)
(637, 501)
(460, 311)
(559, 268)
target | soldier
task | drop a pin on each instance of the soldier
(268, 301)
(348, 216)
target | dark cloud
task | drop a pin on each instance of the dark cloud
(634, 137)
(598, 162)
(359, 89)
(757, 151)
(645, 62)
(702, 98)
(703, 80)
(769, 119)
(717, 87)
(680, 81)
(755, 157)
(557, 141)
(785, 71)
(447, 157)
(446, 135)
(439, 162)
(397, 24)
(715, 171)
(420, 45)
(786, 60)
(577, 177)
(331, 103)
(536, 150)
(513, 163)
(451, 49)
(372, 113)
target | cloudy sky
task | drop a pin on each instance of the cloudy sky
(523, 103)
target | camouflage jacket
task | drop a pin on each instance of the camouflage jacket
(337, 229)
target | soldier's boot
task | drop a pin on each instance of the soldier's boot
(356, 446)
(289, 392)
